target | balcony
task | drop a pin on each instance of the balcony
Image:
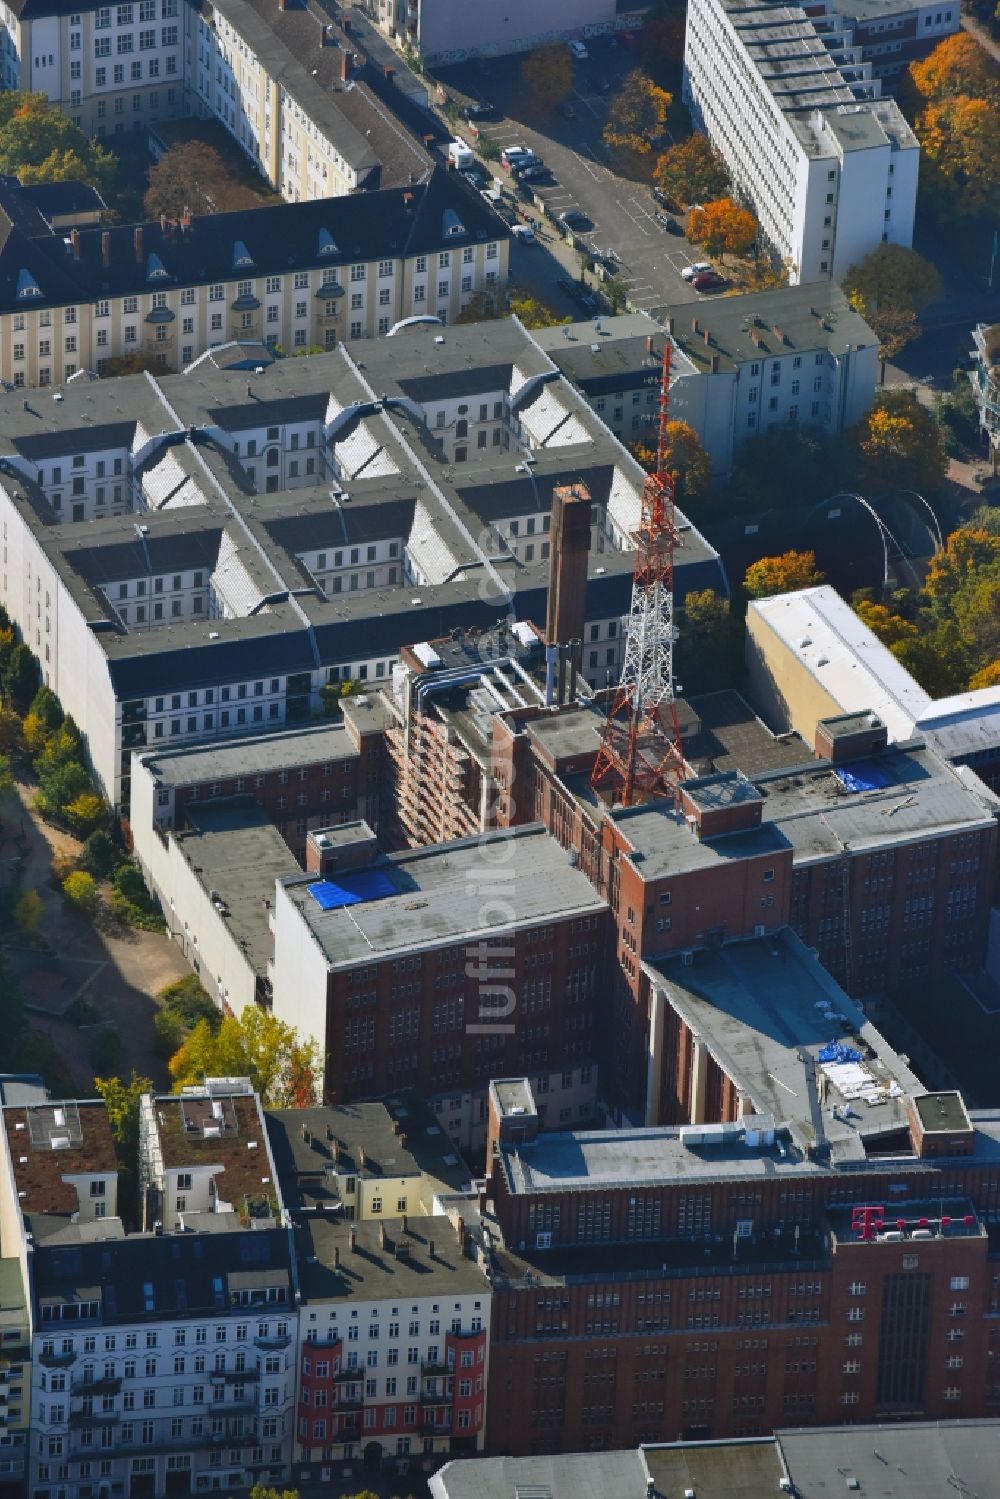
(431, 1428)
(94, 1418)
(95, 1386)
(348, 1376)
(434, 1398)
(56, 1360)
(348, 1403)
(274, 1341)
(437, 1367)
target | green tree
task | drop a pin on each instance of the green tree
(901, 445)
(706, 643)
(891, 287)
(28, 911)
(98, 856)
(692, 171)
(285, 1070)
(189, 1001)
(686, 458)
(785, 574)
(548, 73)
(773, 470)
(47, 708)
(20, 678)
(39, 143)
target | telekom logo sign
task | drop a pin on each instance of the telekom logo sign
(866, 1220)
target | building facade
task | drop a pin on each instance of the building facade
(985, 379)
(739, 367)
(278, 280)
(719, 1280)
(162, 1355)
(827, 165)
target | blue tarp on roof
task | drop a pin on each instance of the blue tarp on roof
(352, 889)
(865, 776)
(836, 1051)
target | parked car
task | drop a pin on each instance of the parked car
(535, 171)
(698, 268)
(580, 294)
(511, 153)
(664, 200)
(516, 164)
(709, 281)
(573, 218)
(668, 222)
(524, 233)
(475, 175)
(578, 50)
(480, 111)
(566, 109)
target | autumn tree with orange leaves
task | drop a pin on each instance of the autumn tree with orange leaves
(958, 65)
(955, 95)
(901, 446)
(723, 228)
(783, 574)
(638, 115)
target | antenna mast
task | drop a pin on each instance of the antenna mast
(641, 744)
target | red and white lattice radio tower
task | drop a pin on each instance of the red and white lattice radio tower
(641, 745)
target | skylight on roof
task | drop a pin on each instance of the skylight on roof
(241, 255)
(155, 269)
(326, 244)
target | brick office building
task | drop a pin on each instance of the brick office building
(430, 968)
(815, 1259)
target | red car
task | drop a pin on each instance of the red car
(708, 281)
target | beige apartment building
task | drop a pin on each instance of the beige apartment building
(290, 89)
(289, 278)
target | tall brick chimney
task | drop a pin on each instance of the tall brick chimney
(569, 546)
(137, 241)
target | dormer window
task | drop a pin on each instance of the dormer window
(451, 224)
(27, 286)
(241, 256)
(155, 269)
(326, 244)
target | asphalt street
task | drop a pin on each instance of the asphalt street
(621, 212)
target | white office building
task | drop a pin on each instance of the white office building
(828, 166)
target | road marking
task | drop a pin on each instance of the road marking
(586, 166)
(640, 226)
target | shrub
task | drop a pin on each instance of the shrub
(80, 889)
(169, 1032)
(28, 911)
(98, 856)
(188, 1000)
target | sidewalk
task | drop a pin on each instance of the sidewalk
(978, 30)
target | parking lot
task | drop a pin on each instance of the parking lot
(621, 212)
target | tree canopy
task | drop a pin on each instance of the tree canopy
(193, 175)
(723, 227)
(782, 574)
(548, 73)
(692, 171)
(958, 65)
(901, 446)
(890, 288)
(38, 143)
(638, 114)
(285, 1070)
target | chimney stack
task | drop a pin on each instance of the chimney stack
(74, 239)
(430, 1248)
(345, 65)
(649, 344)
(402, 1223)
(106, 249)
(715, 364)
(460, 1230)
(706, 335)
(569, 538)
(362, 1156)
(352, 1240)
(336, 1256)
(694, 326)
(137, 241)
(669, 324)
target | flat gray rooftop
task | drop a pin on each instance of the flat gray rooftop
(664, 844)
(568, 1475)
(203, 764)
(373, 1273)
(400, 1136)
(765, 1009)
(732, 737)
(237, 852)
(450, 892)
(908, 1460)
